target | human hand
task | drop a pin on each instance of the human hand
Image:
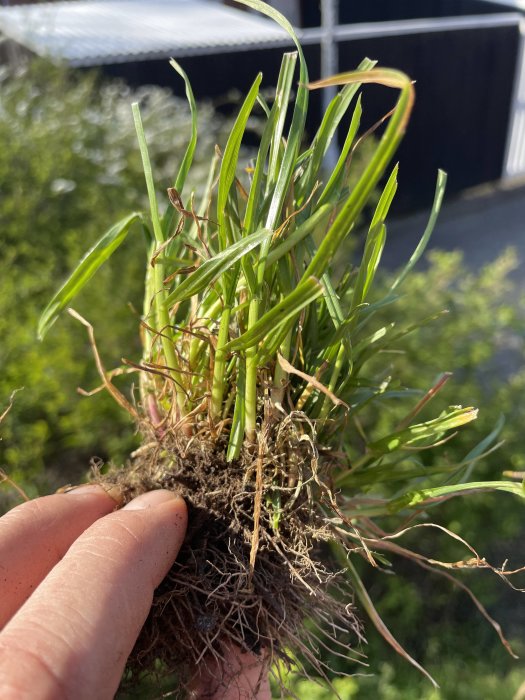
(77, 583)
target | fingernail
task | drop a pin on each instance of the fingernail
(151, 499)
(112, 491)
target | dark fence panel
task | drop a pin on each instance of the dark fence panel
(386, 10)
(351, 11)
(463, 101)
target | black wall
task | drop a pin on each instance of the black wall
(351, 11)
(385, 10)
(464, 83)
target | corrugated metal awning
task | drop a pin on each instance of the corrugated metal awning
(511, 4)
(99, 32)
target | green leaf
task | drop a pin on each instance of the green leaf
(374, 616)
(318, 218)
(436, 207)
(239, 416)
(325, 134)
(478, 451)
(375, 168)
(455, 417)
(148, 174)
(290, 306)
(85, 270)
(424, 497)
(190, 150)
(230, 158)
(337, 177)
(375, 242)
(280, 107)
(210, 270)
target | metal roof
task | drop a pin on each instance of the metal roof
(511, 4)
(95, 32)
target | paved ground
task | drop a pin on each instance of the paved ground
(482, 223)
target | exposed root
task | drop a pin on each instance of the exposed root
(249, 573)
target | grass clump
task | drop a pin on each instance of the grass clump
(254, 362)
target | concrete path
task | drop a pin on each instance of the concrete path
(482, 223)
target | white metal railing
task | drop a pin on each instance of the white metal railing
(370, 30)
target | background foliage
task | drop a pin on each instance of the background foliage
(69, 167)
(481, 340)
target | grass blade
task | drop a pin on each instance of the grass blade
(190, 150)
(230, 158)
(162, 316)
(290, 306)
(335, 180)
(90, 263)
(424, 497)
(420, 249)
(455, 417)
(239, 417)
(374, 616)
(325, 134)
(296, 132)
(210, 270)
(377, 165)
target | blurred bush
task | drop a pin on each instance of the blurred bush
(482, 341)
(69, 168)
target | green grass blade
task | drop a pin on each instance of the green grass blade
(282, 99)
(433, 429)
(274, 124)
(187, 160)
(330, 122)
(230, 158)
(148, 174)
(190, 150)
(385, 201)
(101, 251)
(162, 316)
(420, 249)
(375, 168)
(425, 497)
(290, 306)
(336, 178)
(365, 350)
(252, 215)
(318, 218)
(296, 132)
(210, 270)
(375, 243)
(478, 451)
(388, 472)
(239, 416)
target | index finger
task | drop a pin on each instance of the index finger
(35, 536)
(71, 639)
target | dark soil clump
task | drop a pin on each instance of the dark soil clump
(249, 572)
